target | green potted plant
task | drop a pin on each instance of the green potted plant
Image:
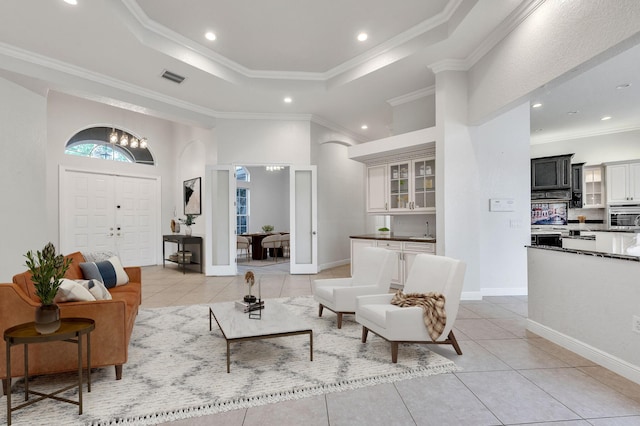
(267, 228)
(190, 220)
(47, 270)
(384, 231)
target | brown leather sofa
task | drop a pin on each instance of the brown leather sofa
(109, 341)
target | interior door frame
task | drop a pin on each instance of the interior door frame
(62, 227)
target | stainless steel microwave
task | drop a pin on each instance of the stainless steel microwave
(623, 217)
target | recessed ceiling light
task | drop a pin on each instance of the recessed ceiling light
(288, 100)
(363, 36)
(536, 105)
(623, 86)
(211, 36)
(364, 127)
(606, 117)
(572, 112)
(71, 2)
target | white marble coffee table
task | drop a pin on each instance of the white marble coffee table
(276, 321)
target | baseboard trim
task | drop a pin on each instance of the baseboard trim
(506, 291)
(334, 264)
(471, 295)
(611, 362)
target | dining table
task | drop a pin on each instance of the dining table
(256, 245)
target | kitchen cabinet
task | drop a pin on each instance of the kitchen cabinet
(623, 182)
(579, 244)
(377, 194)
(576, 186)
(551, 173)
(405, 252)
(412, 186)
(403, 187)
(593, 194)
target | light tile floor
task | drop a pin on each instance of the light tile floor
(509, 376)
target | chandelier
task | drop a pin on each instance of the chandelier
(127, 140)
(274, 168)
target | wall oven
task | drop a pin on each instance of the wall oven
(623, 217)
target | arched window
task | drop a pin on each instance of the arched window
(94, 143)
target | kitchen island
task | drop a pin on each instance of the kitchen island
(587, 302)
(406, 247)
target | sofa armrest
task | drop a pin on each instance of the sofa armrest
(332, 282)
(376, 299)
(134, 273)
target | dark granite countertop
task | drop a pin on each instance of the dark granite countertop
(393, 237)
(588, 253)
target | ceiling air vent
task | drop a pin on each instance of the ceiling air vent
(172, 76)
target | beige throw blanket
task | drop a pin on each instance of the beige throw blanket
(432, 305)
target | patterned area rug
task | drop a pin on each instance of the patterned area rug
(177, 369)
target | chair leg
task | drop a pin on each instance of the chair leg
(5, 385)
(394, 352)
(118, 372)
(365, 333)
(454, 342)
(320, 309)
(339, 319)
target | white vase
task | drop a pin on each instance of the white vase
(187, 231)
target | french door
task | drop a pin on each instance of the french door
(304, 220)
(101, 212)
(220, 216)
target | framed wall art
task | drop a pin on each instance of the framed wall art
(192, 203)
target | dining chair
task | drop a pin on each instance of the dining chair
(271, 242)
(243, 243)
(285, 239)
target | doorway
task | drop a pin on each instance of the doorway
(102, 212)
(296, 203)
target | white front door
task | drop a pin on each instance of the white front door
(101, 212)
(220, 217)
(303, 205)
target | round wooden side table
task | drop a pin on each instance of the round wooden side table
(71, 330)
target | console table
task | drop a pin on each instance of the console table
(71, 330)
(181, 241)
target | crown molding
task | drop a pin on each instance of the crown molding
(321, 121)
(449, 65)
(582, 135)
(412, 96)
(516, 18)
(148, 31)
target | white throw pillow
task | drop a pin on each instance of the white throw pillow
(96, 288)
(71, 291)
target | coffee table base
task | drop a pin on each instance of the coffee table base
(260, 337)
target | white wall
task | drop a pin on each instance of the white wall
(457, 180)
(414, 115)
(23, 169)
(341, 198)
(595, 149)
(503, 165)
(179, 151)
(268, 198)
(556, 38)
(262, 142)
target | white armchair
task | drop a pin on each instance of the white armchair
(396, 324)
(372, 275)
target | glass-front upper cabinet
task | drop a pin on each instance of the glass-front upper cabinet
(593, 187)
(412, 185)
(399, 186)
(424, 187)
